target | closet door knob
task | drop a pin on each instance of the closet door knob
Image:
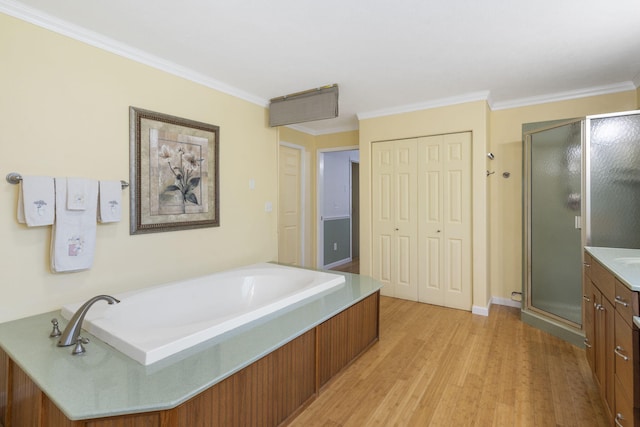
(437, 231)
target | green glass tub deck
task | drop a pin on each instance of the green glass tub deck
(104, 382)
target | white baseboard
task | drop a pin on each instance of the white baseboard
(337, 263)
(506, 301)
(484, 311)
(479, 310)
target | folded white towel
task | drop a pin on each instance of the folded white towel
(73, 237)
(36, 201)
(110, 201)
(78, 190)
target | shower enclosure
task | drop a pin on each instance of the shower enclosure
(582, 188)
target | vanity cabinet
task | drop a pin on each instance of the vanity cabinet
(611, 341)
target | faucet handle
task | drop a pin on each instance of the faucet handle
(56, 331)
(79, 348)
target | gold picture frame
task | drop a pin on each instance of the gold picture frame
(173, 172)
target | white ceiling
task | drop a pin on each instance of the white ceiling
(385, 55)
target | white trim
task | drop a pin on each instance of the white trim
(506, 302)
(479, 310)
(443, 102)
(484, 311)
(315, 132)
(302, 219)
(565, 96)
(92, 38)
(338, 263)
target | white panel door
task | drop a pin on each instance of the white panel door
(289, 203)
(395, 217)
(444, 186)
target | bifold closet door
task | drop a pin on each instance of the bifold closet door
(444, 218)
(394, 212)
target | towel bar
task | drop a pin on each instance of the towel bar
(15, 178)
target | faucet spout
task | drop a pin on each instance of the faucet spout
(72, 331)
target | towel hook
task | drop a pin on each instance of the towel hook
(15, 178)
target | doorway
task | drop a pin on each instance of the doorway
(338, 221)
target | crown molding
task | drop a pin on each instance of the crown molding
(442, 102)
(316, 132)
(91, 38)
(565, 96)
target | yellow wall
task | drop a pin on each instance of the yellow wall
(64, 111)
(506, 194)
(472, 117)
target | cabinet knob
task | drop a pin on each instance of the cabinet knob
(619, 418)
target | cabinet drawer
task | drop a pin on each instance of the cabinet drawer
(604, 280)
(624, 413)
(626, 358)
(626, 302)
(587, 265)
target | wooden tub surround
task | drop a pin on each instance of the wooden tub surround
(269, 391)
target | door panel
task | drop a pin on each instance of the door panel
(289, 215)
(394, 217)
(444, 184)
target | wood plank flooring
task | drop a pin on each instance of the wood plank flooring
(352, 266)
(435, 366)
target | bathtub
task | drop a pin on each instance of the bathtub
(153, 323)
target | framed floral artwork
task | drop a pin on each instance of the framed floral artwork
(173, 172)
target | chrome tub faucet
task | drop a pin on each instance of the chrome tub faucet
(71, 334)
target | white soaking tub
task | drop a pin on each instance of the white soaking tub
(153, 323)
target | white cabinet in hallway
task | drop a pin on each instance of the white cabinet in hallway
(422, 218)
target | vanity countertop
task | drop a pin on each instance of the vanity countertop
(104, 382)
(623, 263)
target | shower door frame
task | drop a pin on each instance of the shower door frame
(526, 167)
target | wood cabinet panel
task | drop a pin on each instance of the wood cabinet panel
(588, 324)
(625, 413)
(626, 302)
(265, 393)
(616, 342)
(626, 358)
(4, 385)
(603, 280)
(342, 338)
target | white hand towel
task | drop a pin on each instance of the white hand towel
(110, 201)
(78, 190)
(73, 237)
(36, 201)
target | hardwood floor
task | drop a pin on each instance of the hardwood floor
(351, 267)
(435, 366)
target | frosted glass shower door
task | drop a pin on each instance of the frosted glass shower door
(613, 182)
(554, 235)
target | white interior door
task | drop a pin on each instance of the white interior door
(395, 217)
(444, 185)
(289, 206)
